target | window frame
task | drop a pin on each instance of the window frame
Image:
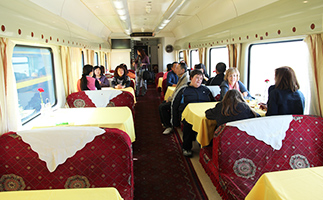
(191, 64)
(210, 58)
(53, 74)
(262, 43)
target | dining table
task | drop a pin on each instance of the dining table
(296, 184)
(104, 117)
(110, 193)
(169, 92)
(194, 114)
(160, 82)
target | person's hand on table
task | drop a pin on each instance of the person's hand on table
(262, 106)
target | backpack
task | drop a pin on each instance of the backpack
(148, 75)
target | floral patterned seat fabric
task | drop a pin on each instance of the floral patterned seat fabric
(237, 160)
(104, 162)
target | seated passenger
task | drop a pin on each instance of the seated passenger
(233, 107)
(102, 70)
(172, 78)
(202, 68)
(169, 67)
(87, 82)
(130, 74)
(98, 75)
(218, 79)
(284, 97)
(194, 92)
(165, 106)
(120, 79)
(231, 81)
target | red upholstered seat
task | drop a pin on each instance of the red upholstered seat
(237, 160)
(81, 100)
(164, 85)
(104, 162)
(132, 84)
(158, 75)
(124, 99)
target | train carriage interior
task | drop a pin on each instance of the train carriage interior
(57, 132)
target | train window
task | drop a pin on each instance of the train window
(82, 60)
(33, 69)
(266, 57)
(96, 59)
(218, 54)
(180, 56)
(194, 57)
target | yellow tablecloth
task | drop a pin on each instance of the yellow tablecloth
(194, 113)
(160, 82)
(107, 117)
(63, 194)
(290, 184)
(128, 89)
(169, 92)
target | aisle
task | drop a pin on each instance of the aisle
(160, 170)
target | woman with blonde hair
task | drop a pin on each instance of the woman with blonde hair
(284, 97)
(231, 81)
(233, 107)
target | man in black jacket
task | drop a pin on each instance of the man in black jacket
(194, 92)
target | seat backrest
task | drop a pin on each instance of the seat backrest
(124, 99)
(158, 75)
(215, 89)
(81, 99)
(164, 85)
(243, 158)
(104, 162)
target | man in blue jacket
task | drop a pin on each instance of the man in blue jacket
(194, 92)
(172, 78)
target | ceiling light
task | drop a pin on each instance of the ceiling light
(121, 12)
(118, 4)
(172, 10)
(123, 17)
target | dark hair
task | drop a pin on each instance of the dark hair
(120, 67)
(201, 66)
(142, 53)
(183, 66)
(87, 69)
(195, 72)
(221, 67)
(125, 66)
(169, 66)
(285, 79)
(174, 63)
(230, 102)
(102, 70)
(94, 68)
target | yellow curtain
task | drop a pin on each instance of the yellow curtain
(315, 46)
(234, 55)
(185, 53)
(9, 107)
(71, 68)
(202, 55)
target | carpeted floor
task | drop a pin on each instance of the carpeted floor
(160, 169)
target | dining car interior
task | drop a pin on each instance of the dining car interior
(161, 99)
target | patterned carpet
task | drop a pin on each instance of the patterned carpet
(160, 169)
